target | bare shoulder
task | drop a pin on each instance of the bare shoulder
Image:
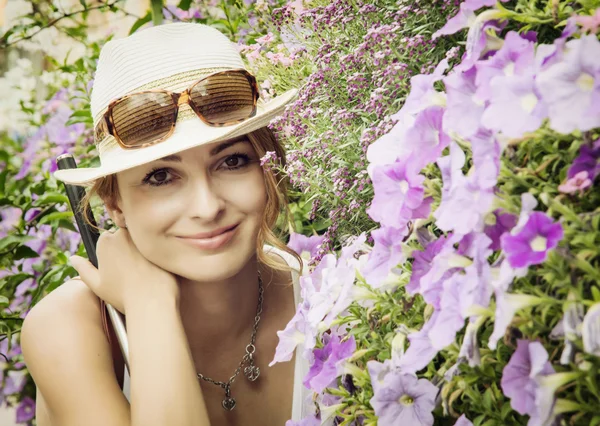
(69, 358)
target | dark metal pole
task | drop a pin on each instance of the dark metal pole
(90, 237)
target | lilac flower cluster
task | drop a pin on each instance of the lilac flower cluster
(361, 62)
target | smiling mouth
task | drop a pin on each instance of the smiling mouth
(214, 241)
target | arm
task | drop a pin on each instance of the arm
(67, 354)
(163, 375)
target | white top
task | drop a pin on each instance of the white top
(302, 404)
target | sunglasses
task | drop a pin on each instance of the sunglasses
(145, 118)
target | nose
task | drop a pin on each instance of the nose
(205, 200)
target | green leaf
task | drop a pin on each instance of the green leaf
(12, 239)
(51, 198)
(184, 4)
(56, 216)
(137, 24)
(4, 300)
(25, 252)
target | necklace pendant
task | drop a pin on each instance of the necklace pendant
(228, 403)
(252, 372)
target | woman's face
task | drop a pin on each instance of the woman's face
(201, 190)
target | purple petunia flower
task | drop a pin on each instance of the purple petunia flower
(307, 421)
(503, 222)
(515, 58)
(428, 136)
(421, 351)
(460, 191)
(464, 18)
(306, 247)
(403, 399)
(325, 368)
(519, 378)
(464, 107)
(571, 87)
(506, 307)
(588, 160)
(26, 410)
(14, 382)
(530, 245)
(386, 254)
(591, 330)
(293, 335)
(577, 183)
(398, 193)
(514, 107)
(463, 421)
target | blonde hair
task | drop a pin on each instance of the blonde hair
(276, 182)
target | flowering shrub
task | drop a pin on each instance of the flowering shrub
(353, 61)
(476, 300)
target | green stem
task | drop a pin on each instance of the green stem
(157, 13)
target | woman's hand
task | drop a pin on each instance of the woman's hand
(123, 275)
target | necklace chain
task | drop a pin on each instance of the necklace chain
(252, 372)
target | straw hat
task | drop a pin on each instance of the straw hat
(171, 57)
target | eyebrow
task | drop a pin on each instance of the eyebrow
(219, 148)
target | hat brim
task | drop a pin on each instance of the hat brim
(188, 134)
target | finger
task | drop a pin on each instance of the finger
(88, 272)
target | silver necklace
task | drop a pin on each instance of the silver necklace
(251, 371)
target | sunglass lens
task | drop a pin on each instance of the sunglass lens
(224, 98)
(144, 117)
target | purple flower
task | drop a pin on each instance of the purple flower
(306, 247)
(386, 254)
(325, 368)
(465, 108)
(530, 245)
(503, 222)
(403, 399)
(14, 382)
(398, 193)
(462, 291)
(460, 191)
(293, 335)
(514, 107)
(10, 218)
(591, 330)
(519, 377)
(307, 421)
(464, 18)
(589, 23)
(463, 421)
(516, 57)
(587, 160)
(422, 93)
(421, 351)
(426, 137)
(26, 410)
(506, 307)
(481, 38)
(577, 183)
(571, 87)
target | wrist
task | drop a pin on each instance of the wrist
(152, 300)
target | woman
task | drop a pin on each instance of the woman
(202, 280)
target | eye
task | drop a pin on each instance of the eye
(158, 173)
(236, 161)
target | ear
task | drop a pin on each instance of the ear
(116, 215)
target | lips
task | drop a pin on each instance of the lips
(205, 235)
(216, 239)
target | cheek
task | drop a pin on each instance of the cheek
(247, 195)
